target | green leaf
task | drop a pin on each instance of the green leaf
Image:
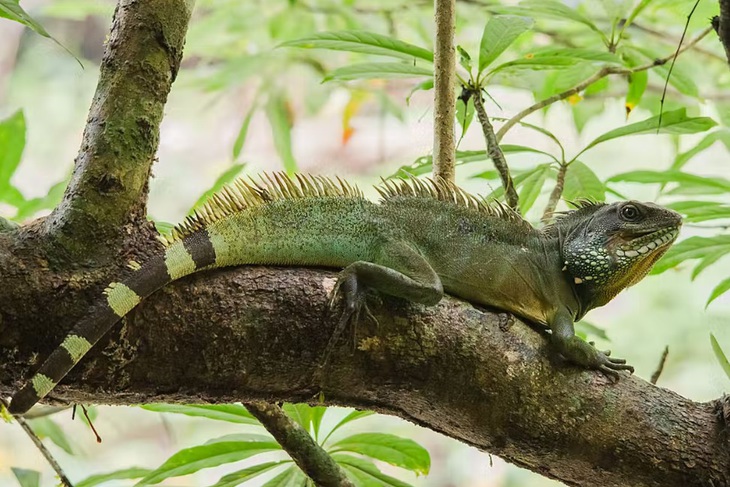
(353, 416)
(578, 53)
(27, 478)
(276, 111)
(537, 63)
(191, 460)
(29, 208)
(674, 122)
(425, 85)
(364, 473)
(241, 138)
(707, 261)
(464, 58)
(240, 476)
(301, 413)
(719, 290)
(464, 115)
(722, 135)
(378, 71)
(518, 180)
(692, 248)
(45, 427)
(499, 33)
(513, 148)
(531, 187)
(588, 328)
(721, 357)
(291, 477)
(701, 211)
(637, 85)
(362, 42)
(663, 177)
(12, 142)
(127, 473)
(582, 182)
(317, 415)
(401, 452)
(554, 10)
(225, 178)
(233, 413)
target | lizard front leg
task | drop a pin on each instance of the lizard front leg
(398, 271)
(578, 351)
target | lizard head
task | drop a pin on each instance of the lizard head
(609, 247)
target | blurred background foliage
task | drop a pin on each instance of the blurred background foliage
(344, 87)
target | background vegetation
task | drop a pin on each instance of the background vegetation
(279, 85)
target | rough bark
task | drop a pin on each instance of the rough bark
(444, 109)
(721, 24)
(108, 190)
(258, 333)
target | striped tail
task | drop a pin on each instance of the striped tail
(183, 257)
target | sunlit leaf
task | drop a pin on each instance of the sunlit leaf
(722, 135)
(582, 182)
(692, 248)
(378, 71)
(45, 427)
(701, 211)
(242, 132)
(719, 290)
(721, 357)
(190, 460)
(27, 478)
(12, 143)
(364, 473)
(233, 413)
(499, 33)
(464, 114)
(362, 42)
(553, 9)
(239, 477)
(531, 187)
(278, 115)
(127, 473)
(708, 260)
(673, 122)
(291, 477)
(537, 63)
(637, 85)
(401, 452)
(353, 416)
(225, 178)
(578, 53)
(664, 177)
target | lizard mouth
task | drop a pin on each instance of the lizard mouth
(648, 242)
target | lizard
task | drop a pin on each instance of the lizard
(422, 239)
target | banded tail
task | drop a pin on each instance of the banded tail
(224, 232)
(181, 258)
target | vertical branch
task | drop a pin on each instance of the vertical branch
(298, 443)
(444, 106)
(495, 152)
(556, 194)
(721, 24)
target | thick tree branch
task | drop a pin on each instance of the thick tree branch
(556, 193)
(721, 24)
(444, 107)
(258, 334)
(299, 444)
(108, 189)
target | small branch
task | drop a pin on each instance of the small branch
(721, 24)
(108, 189)
(556, 194)
(444, 105)
(602, 73)
(660, 367)
(494, 151)
(299, 444)
(39, 444)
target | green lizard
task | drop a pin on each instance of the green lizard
(421, 240)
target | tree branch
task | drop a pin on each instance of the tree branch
(555, 194)
(721, 24)
(108, 189)
(602, 73)
(444, 104)
(298, 443)
(494, 151)
(258, 333)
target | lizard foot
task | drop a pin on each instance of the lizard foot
(355, 304)
(585, 354)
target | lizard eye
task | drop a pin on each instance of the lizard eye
(629, 213)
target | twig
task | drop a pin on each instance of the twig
(602, 73)
(299, 444)
(39, 444)
(556, 193)
(722, 23)
(660, 367)
(494, 151)
(444, 104)
(672, 40)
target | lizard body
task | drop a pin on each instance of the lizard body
(421, 240)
